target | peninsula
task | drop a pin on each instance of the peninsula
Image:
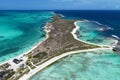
(60, 42)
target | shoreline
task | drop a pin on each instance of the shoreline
(52, 60)
(75, 36)
(49, 62)
(22, 55)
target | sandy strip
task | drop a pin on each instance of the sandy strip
(75, 36)
(47, 63)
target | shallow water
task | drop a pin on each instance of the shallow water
(83, 66)
(20, 31)
(94, 32)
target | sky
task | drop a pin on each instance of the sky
(59, 4)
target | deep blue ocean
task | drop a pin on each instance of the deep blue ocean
(109, 18)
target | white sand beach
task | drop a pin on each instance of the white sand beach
(75, 36)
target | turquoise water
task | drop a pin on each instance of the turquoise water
(20, 31)
(104, 65)
(94, 32)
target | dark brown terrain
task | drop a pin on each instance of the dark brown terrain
(60, 40)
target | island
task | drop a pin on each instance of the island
(61, 41)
